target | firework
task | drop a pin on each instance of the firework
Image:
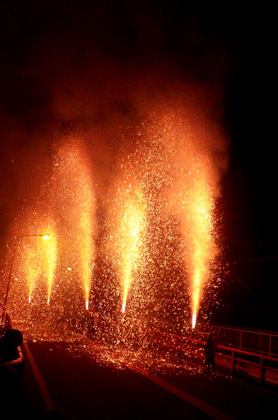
(158, 245)
(32, 269)
(49, 259)
(128, 225)
(74, 199)
(187, 181)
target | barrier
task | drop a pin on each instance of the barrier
(234, 360)
(245, 339)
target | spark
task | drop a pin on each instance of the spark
(128, 229)
(194, 319)
(75, 200)
(152, 263)
(49, 261)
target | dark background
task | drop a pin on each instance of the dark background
(228, 48)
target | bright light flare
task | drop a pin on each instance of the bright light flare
(203, 248)
(194, 319)
(131, 229)
(32, 266)
(49, 261)
(123, 307)
(192, 189)
(128, 225)
(75, 193)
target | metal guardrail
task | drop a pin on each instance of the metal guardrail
(251, 340)
(234, 360)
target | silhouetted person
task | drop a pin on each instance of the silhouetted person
(9, 345)
(210, 350)
(11, 372)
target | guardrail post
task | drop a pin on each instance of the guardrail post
(262, 369)
(240, 340)
(233, 363)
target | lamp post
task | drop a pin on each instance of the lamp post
(45, 237)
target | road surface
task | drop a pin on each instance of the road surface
(86, 383)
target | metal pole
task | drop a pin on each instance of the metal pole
(233, 362)
(10, 276)
(9, 282)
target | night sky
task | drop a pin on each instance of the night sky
(85, 64)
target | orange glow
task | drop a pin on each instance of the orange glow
(187, 163)
(194, 320)
(85, 240)
(128, 226)
(154, 257)
(75, 200)
(49, 261)
(203, 248)
(131, 229)
(38, 259)
(32, 267)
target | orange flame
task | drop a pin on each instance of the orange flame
(49, 260)
(32, 268)
(203, 248)
(128, 230)
(76, 202)
(187, 163)
(131, 229)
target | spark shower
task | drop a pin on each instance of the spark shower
(160, 227)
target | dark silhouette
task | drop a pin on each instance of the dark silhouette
(9, 344)
(11, 374)
(10, 391)
(10, 353)
(210, 350)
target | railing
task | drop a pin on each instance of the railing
(262, 367)
(251, 340)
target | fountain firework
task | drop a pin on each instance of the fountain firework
(32, 270)
(189, 188)
(49, 259)
(35, 258)
(74, 202)
(160, 223)
(127, 227)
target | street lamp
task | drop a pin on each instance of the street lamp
(44, 236)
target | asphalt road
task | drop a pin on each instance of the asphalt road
(84, 389)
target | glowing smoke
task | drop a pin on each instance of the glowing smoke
(74, 201)
(127, 225)
(192, 163)
(49, 259)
